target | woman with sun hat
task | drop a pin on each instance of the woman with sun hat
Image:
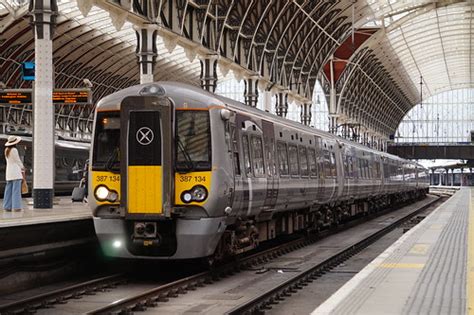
(14, 175)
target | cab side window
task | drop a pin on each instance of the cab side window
(246, 151)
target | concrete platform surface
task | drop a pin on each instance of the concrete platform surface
(429, 270)
(63, 210)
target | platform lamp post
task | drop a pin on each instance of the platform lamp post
(43, 17)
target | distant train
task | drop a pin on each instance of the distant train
(70, 158)
(180, 173)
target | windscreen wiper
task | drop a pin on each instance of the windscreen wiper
(109, 165)
(189, 162)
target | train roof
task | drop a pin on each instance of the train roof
(195, 97)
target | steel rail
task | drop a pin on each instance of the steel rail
(162, 293)
(263, 301)
(29, 305)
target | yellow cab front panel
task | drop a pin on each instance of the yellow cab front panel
(144, 169)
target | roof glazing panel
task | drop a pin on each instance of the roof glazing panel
(431, 39)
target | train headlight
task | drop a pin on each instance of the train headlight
(102, 193)
(199, 193)
(152, 90)
(186, 197)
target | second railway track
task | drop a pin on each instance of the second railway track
(153, 296)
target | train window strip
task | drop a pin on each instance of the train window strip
(304, 169)
(293, 159)
(313, 166)
(333, 164)
(282, 158)
(258, 162)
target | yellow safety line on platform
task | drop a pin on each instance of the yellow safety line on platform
(401, 266)
(470, 258)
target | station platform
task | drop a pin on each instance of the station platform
(63, 210)
(429, 270)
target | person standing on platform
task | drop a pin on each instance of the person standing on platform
(14, 175)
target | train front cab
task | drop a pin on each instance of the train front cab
(134, 185)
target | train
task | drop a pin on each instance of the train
(70, 158)
(180, 173)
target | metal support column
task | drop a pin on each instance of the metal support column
(251, 91)
(333, 110)
(43, 14)
(282, 103)
(146, 52)
(209, 72)
(306, 114)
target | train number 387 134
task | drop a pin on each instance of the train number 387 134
(189, 178)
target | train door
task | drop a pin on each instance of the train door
(238, 195)
(146, 150)
(270, 158)
(241, 192)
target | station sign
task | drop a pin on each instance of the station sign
(15, 97)
(62, 96)
(71, 96)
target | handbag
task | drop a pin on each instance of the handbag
(24, 187)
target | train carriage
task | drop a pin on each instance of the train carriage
(180, 173)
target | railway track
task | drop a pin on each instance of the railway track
(45, 300)
(162, 293)
(263, 302)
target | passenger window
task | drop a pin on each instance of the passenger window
(327, 164)
(313, 167)
(303, 162)
(271, 157)
(282, 158)
(333, 165)
(258, 164)
(293, 158)
(247, 165)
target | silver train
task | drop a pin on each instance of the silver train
(70, 158)
(180, 173)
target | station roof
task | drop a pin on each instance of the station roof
(397, 44)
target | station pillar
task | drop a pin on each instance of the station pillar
(282, 103)
(146, 52)
(306, 114)
(43, 18)
(251, 91)
(209, 72)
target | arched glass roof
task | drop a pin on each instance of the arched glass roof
(432, 40)
(286, 43)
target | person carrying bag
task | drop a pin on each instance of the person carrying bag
(14, 176)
